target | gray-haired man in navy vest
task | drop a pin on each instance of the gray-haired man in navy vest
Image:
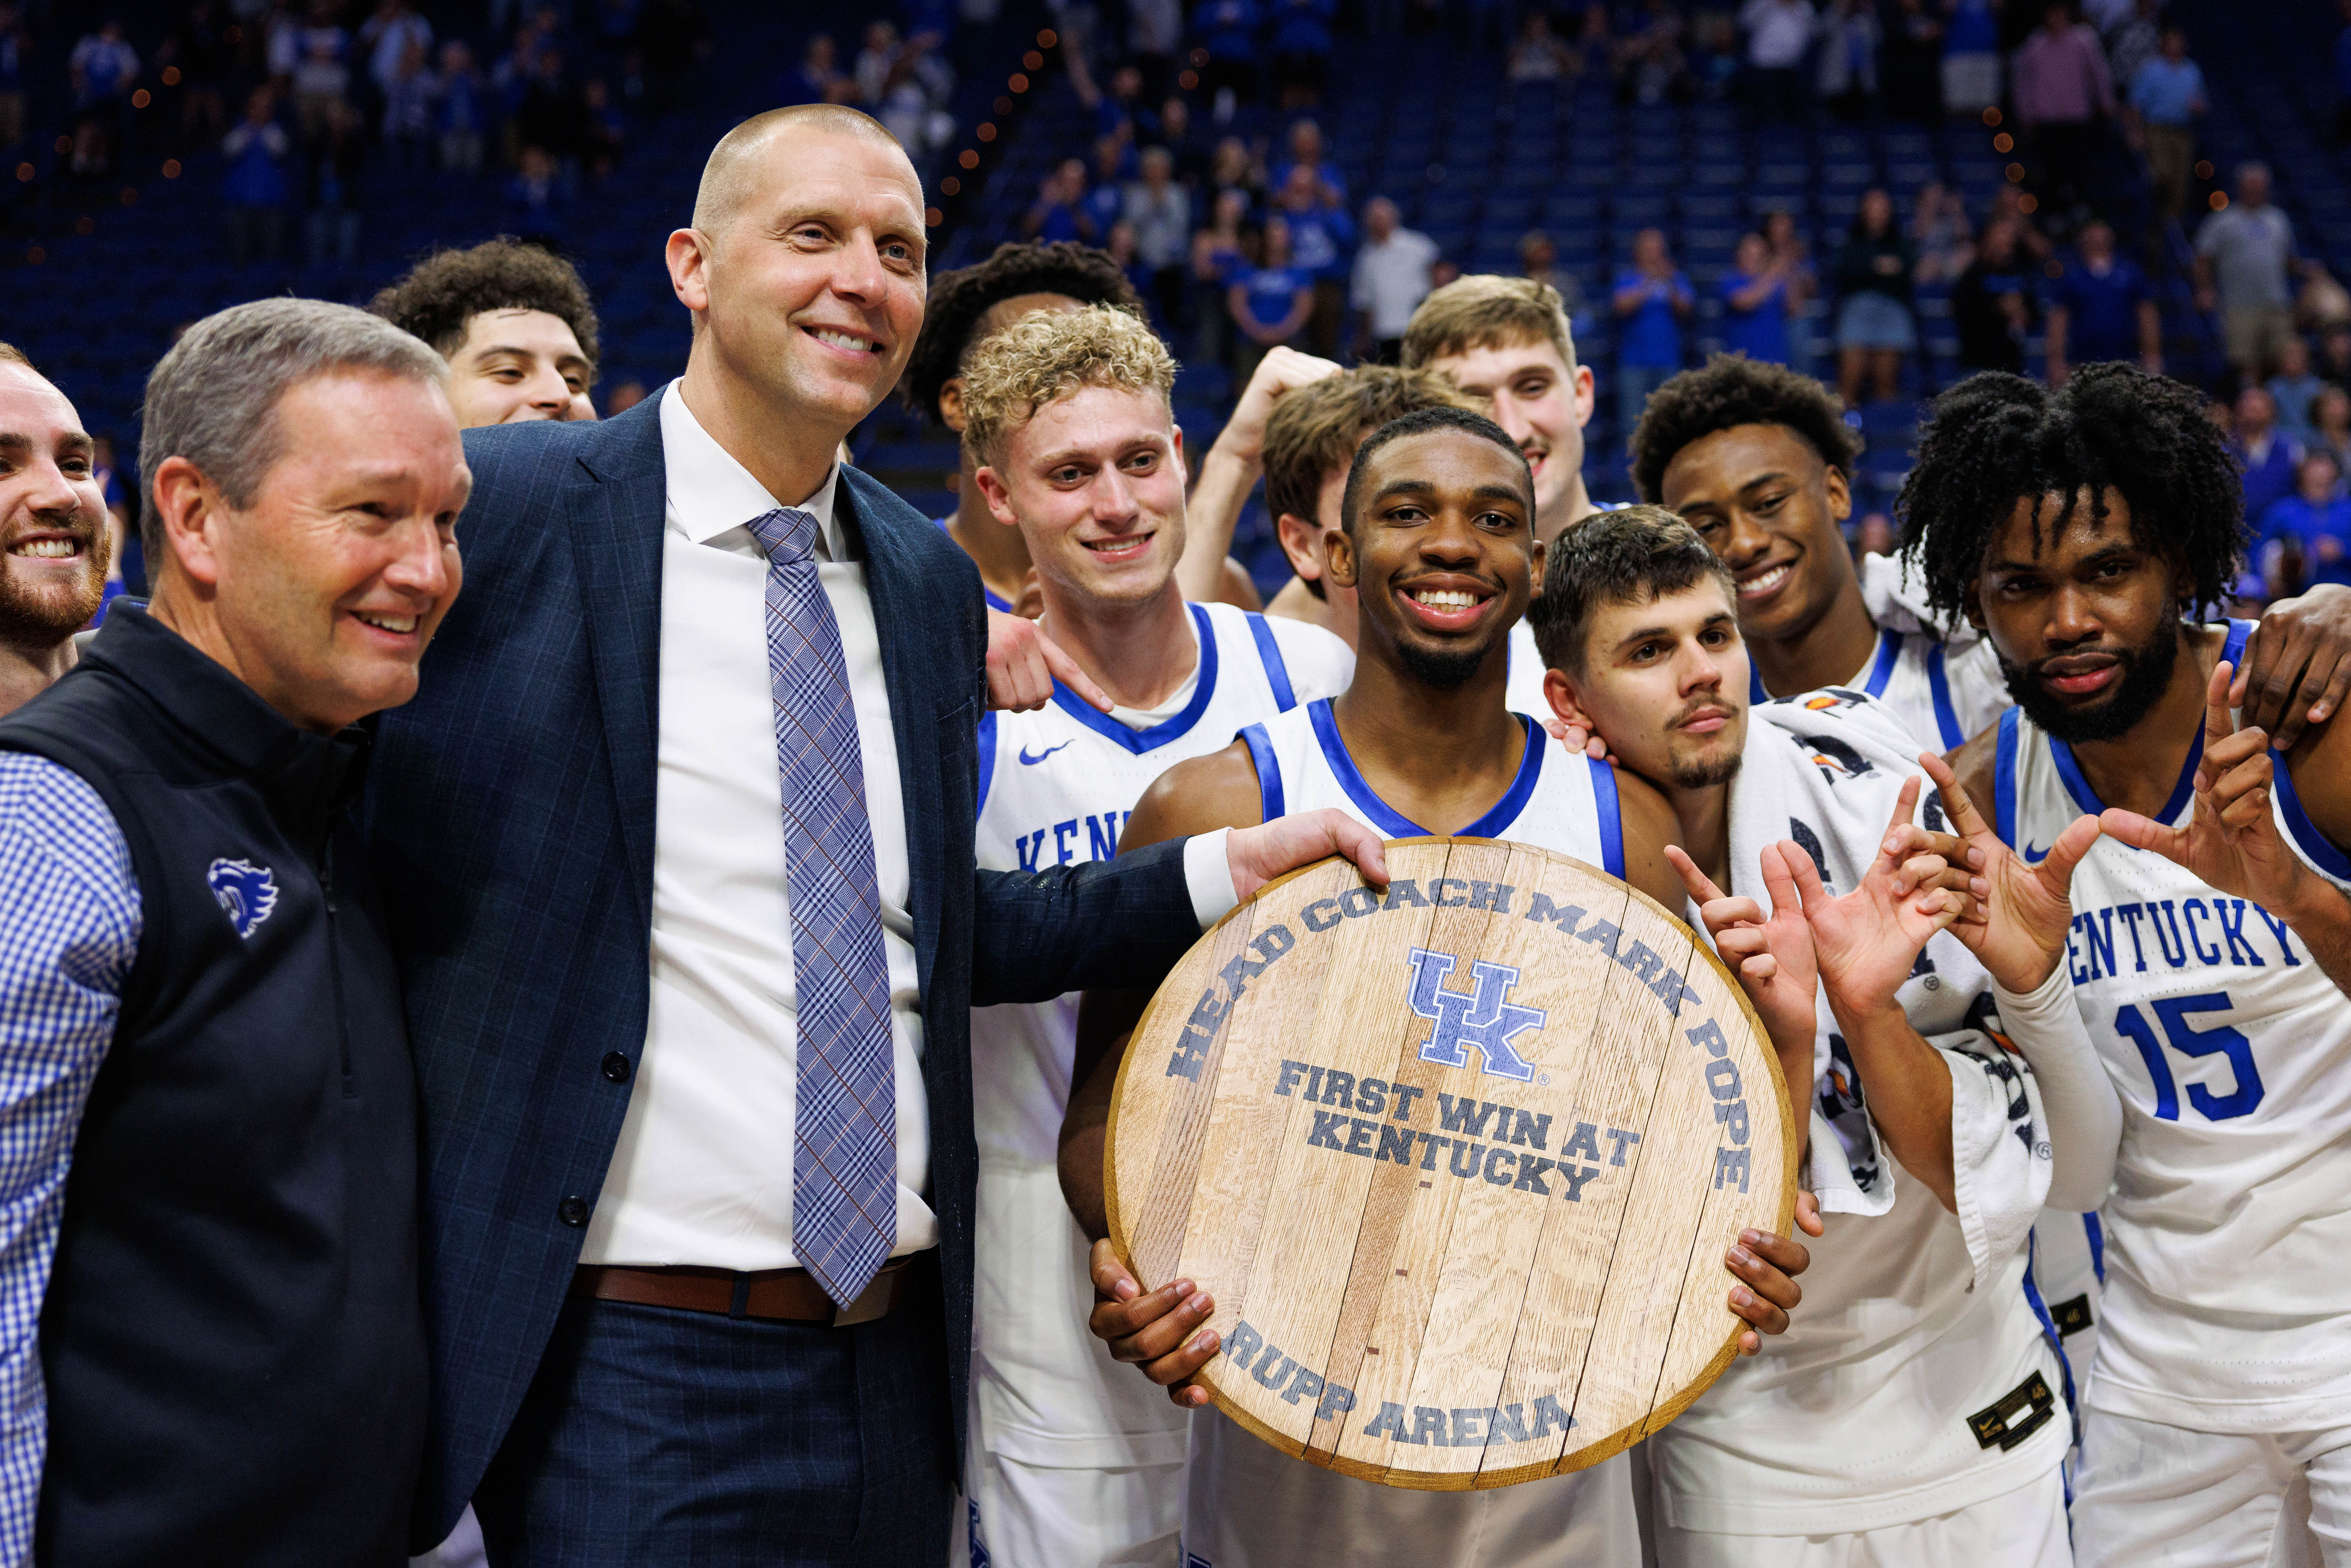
(211, 1348)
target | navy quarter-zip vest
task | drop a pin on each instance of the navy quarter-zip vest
(232, 1339)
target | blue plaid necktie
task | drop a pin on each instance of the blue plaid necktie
(844, 1161)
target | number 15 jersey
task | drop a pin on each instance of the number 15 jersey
(2230, 1217)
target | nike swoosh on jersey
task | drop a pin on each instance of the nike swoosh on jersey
(2033, 856)
(1029, 761)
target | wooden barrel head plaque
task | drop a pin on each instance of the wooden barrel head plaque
(1458, 1162)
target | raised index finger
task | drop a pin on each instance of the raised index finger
(1957, 804)
(2218, 725)
(1701, 886)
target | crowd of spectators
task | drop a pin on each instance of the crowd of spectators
(306, 103)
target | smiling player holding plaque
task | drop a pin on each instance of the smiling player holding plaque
(1438, 545)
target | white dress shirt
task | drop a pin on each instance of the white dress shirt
(703, 1173)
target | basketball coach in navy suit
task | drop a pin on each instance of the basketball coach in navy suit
(677, 846)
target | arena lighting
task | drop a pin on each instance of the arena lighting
(1019, 82)
(2203, 168)
(2219, 200)
(1033, 60)
(967, 158)
(950, 186)
(1046, 39)
(2028, 204)
(130, 196)
(64, 143)
(1188, 80)
(171, 168)
(171, 76)
(25, 171)
(2016, 174)
(35, 256)
(2004, 142)
(141, 98)
(85, 225)
(1003, 105)
(1991, 116)
(987, 131)
(933, 217)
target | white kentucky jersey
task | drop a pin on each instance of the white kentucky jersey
(1057, 785)
(1249, 1506)
(1944, 695)
(2231, 1215)
(1558, 802)
(1920, 1375)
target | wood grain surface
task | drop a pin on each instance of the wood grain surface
(1458, 1162)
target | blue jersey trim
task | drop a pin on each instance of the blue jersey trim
(986, 757)
(1939, 683)
(2097, 1232)
(1343, 767)
(2325, 852)
(1142, 740)
(1756, 695)
(1395, 825)
(2184, 789)
(1268, 771)
(1522, 788)
(1612, 819)
(2048, 1332)
(1889, 654)
(985, 591)
(1276, 674)
(2003, 779)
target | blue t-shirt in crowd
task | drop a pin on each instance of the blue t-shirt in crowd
(1061, 222)
(1651, 335)
(1272, 290)
(2101, 310)
(1973, 29)
(2323, 531)
(2165, 93)
(1227, 29)
(1320, 241)
(1302, 27)
(1104, 203)
(2269, 476)
(1760, 334)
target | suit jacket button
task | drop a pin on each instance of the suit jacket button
(616, 1067)
(573, 1211)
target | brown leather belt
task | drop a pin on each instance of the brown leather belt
(773, 1295)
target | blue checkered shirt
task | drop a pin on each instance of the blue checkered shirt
(69, 925)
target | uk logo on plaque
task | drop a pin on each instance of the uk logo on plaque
(1479, 1020)
(1457, 1159)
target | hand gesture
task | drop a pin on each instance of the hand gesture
(2232, 841)
(1153, 1330)
(1772, 957)
(1256, 855)
(1023, 663)
(1768, 1263)
(2017, 923)
(1868, 940)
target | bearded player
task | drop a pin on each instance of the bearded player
(1438, 541)
(53, 544)
(2088, 532)
(1070, 438)
(1758, 459)
(1916, 1412)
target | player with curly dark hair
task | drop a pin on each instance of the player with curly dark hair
(2086, 531)
(1758, 460)
(514, 321)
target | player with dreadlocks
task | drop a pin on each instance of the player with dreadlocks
(2088, 532)
(973, 304)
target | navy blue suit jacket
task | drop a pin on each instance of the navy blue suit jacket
(510, 816)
